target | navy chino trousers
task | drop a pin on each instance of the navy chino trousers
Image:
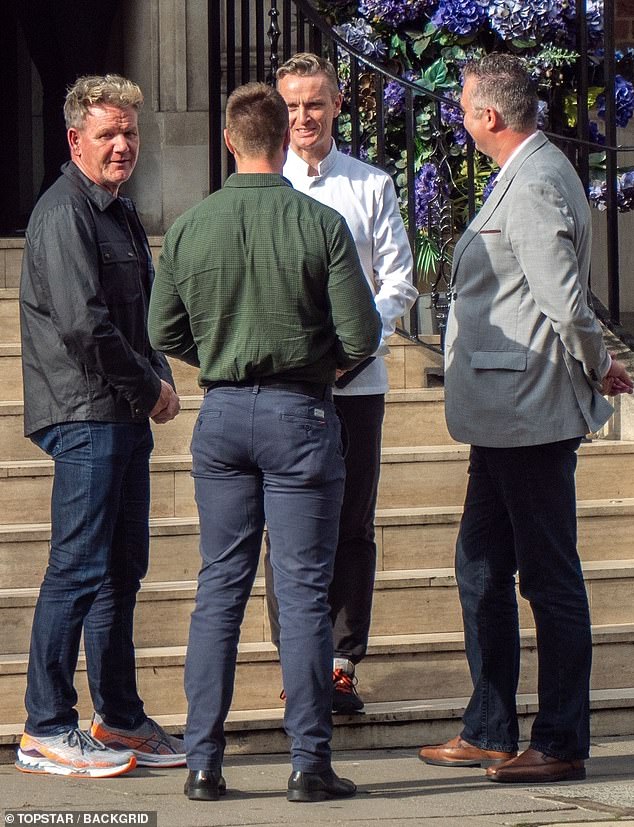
(264, 453)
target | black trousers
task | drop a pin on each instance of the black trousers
(352, 586)
(519, 516)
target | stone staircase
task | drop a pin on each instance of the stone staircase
(415, 679)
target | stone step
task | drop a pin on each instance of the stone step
(10, 262)
(11, 372)
(411, 416)
(395, 724)
(432, 475)
(9, 315)
(419, 601)
(410, 477)
(407, 538)
(410, 366)
(398, 668)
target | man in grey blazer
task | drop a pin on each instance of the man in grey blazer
(525, 371)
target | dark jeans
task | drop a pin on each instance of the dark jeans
(98, 556)
(264, 453)
(520, 516)
(352, 587)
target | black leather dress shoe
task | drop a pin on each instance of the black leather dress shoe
(204, 785)
(318, 786)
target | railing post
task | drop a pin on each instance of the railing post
(215, 95)
(611, 164)
(274, 36)
(410, 151)
(583, 126)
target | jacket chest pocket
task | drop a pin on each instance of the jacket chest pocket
(119, 271)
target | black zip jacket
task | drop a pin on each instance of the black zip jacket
(84, 294)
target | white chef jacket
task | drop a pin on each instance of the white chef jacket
(366, 198)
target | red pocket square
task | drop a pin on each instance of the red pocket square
(490, 232)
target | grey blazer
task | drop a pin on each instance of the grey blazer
(524, 353)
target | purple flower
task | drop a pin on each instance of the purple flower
(346, 149)
(488, 187)
(595, 136)
(624, 100)
(394, 94)
(521, 20)
(394, 97)
(427, 187)
(451, 117)
(393, 12)
(461, 17)
(362, 37)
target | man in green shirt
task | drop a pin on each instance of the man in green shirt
(261, 288)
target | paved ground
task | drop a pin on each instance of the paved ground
(395, 790)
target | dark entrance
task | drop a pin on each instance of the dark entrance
(45, 46)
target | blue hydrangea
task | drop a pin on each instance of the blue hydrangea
(362, 37)
(427, 188)
(460, 17)
(597, 193)
(393, 12)
(542, 114)
(515, 20)
(624, 99)
(594, 19)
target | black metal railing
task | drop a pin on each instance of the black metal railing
(249, 39)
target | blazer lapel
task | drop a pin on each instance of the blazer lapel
(488, 208)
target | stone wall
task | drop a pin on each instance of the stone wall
(165, 51)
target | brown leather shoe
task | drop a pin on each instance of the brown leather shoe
(458, 753)
(533, 767)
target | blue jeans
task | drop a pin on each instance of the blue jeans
(264, 453)
(520, 516)
(98, 556)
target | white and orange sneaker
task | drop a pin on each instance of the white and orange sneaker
(74, 753)
(149, 743)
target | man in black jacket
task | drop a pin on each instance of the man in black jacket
(91, 384)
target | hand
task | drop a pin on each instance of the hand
(167, 405)
(339, 373)
(617, 380)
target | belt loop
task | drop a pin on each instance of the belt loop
(256, 388)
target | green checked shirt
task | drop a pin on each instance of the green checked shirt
(260, 280)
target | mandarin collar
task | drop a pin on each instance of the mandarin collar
(324, 166)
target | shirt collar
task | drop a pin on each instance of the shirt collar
(515, 153)
(98, 195)
(256, 179)
(323, 168)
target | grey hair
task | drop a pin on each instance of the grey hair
(306, 64)
(93, 90)
(503, 83)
